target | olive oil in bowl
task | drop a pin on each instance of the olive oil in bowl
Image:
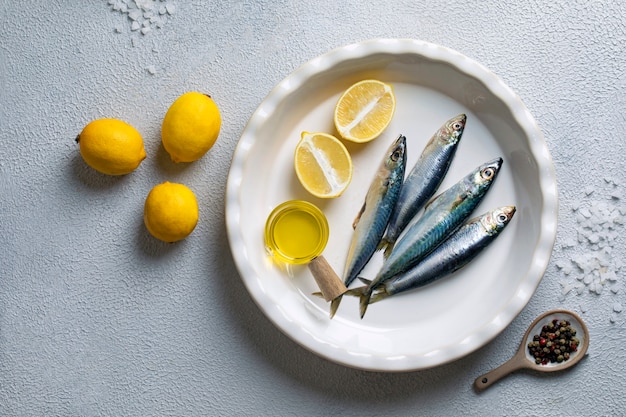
(296, 232)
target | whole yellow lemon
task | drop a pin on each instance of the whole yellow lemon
(111, 146)
(190, 127)
(170, 211)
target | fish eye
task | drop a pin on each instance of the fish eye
(488, 173)
(457, 126)
(501, 218)
(395, 156)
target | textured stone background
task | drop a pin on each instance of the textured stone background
(98, 318)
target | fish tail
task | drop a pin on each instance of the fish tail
(380, 295)
(364, 300)
(356, 292)
(334, 305)
(388, 248)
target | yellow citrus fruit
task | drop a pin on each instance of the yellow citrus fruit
(323, 164)
(364, 110)
(170, 212)
(190, 127)
(111, 146)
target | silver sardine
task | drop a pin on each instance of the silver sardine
(424, 179)
(450, 256)
(441, 217)
(371, 221)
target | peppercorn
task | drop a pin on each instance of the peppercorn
(555, 343)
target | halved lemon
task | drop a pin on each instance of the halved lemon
(323, 164)
(365, 110)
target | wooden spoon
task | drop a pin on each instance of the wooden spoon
(523, 359)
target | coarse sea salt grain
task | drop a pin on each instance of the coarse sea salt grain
(144, 15)
(593, 266)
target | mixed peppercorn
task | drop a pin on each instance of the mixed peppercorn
(556, 342)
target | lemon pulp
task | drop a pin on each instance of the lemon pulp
(323, 164)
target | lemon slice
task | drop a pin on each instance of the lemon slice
(323, 164)
(364, 110)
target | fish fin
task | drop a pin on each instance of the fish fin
(364, 301)
(460, 199)
(358, 216)
(365, 281)
(355, 292)
(388, 249)
(334, 305)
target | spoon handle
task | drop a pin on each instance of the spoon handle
(491, 377)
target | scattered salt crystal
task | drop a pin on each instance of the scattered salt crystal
(145, 30)
(599, 288)
(585, 212)
(589, 190)
(134, 14)
(613, 318)
(118, 29)
(151, 69)
(147, 13)
(567, 287)
(583, 308)
(617, 307)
